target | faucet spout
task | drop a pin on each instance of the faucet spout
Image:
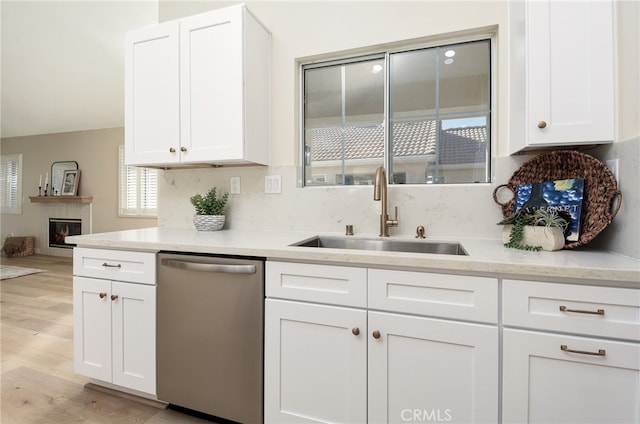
(380, 194)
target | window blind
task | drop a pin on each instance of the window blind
(138, 190)
(10, 183)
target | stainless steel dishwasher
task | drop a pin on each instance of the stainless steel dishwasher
(210, 334)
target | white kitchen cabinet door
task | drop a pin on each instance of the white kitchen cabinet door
(592, 381)
(134, 336)
(315, 363)
(429, 370)
(152, 95)
(92, 327)
(211, 62)
(562, 73)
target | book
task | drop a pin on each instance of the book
(562, 196)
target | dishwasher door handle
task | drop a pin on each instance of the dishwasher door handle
(205, 267)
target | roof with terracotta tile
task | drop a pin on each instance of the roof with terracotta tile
(457, 145)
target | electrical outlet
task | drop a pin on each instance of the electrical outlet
(234, 185)
(273, 184)
(612, 164)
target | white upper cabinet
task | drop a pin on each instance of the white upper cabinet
(198, 91)
(561, 76)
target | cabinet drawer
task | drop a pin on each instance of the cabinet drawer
(568, 379)
(436, 295)
(335, 285)
(134, 267)
(588, 310)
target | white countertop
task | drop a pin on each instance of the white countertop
(486, 256)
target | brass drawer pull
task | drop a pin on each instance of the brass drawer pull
(542, 124)
(103, 295)
(111, 266)
(355, 331)
(376, 334)
(580, 311)
(600, 352)
(114, 297)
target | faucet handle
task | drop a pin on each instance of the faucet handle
(393, 222)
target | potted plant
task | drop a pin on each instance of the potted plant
(541, 229)
(209, 210)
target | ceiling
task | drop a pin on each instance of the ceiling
(63, 63)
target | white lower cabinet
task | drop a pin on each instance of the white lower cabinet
(331, 363)
(115, 326)
(430, 370)
(590, 381)
(571, 353)
(315, 363)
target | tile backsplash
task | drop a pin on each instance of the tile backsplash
(446, 211)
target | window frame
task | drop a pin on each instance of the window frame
(486, 34)
(4, 207)
(123, 189)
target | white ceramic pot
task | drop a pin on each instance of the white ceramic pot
(208, 222)
(549, 238)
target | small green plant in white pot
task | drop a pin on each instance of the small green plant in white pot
(209, 210)
(534, 230)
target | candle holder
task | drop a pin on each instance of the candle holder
(39, 191)
(46, 189)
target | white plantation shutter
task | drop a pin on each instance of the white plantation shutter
(11, 183)
(138, 189)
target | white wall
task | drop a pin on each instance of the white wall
(302, 29)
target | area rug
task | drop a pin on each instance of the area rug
(8, 271)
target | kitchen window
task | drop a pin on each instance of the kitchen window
(11, 183)
(138, 190)
(423, 113)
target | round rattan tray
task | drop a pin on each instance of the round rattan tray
(601, 201)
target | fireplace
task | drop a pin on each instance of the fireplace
(59, 228)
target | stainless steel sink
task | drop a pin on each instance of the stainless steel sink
(388, 245)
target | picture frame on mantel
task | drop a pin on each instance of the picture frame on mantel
(70, 182)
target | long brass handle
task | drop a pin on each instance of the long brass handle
(103, 295)
(542, 124)
(582, 311)
(355, 331)
(114, 296)
(376, 334)
(111, 266)
(600, 352)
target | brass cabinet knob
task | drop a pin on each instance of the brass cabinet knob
(103, 295)
(542, 124)
(183, 149)
(355, 331)
(376, 334)
(114, 296)
(172, 150)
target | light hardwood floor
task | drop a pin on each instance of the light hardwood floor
(38, 382)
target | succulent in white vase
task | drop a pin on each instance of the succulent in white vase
(209, 210)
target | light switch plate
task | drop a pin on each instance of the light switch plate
(234, 185)
(273, 184)
(612, 164)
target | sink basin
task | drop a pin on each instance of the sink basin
(334, 242)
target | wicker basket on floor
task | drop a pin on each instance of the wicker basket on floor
(601, 201)
(25, 250)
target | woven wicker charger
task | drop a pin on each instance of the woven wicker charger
(600, 188)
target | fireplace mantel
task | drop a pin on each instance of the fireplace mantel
(61, 199)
